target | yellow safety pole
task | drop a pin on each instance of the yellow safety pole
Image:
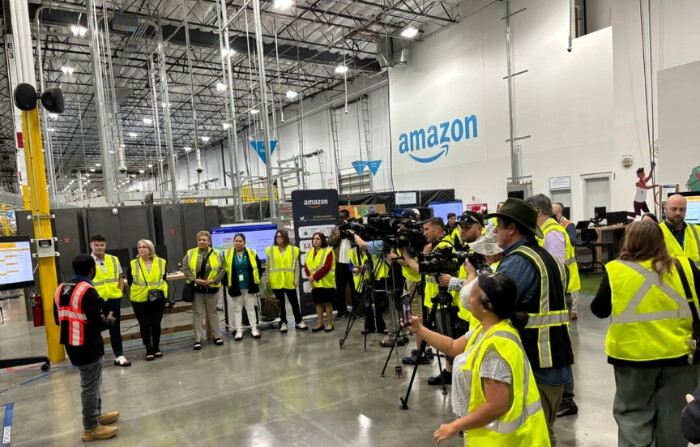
(41, 211)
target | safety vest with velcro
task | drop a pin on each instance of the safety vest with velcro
(691, 242)
(431, 285)
(212, 259)
(107, 283)
(252, 257)
(463, 313)
(650, 318)
(570, 261)
(71, 313)
(546, 334)
(315, 259)
(358, 261)
(282, 267)
(145, 280)
(524, 423)
(408, 272)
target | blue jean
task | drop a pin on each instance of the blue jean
(90, 381)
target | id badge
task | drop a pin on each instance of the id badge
(240, 277)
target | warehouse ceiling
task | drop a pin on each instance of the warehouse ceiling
(303, 45)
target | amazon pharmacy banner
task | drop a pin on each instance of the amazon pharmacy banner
(313, 210)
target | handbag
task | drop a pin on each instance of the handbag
(694, 342)
(190, 288)
(269, 307)
(154, 295)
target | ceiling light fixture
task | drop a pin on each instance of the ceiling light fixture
(254, 111)
(341, 69)
(53, 116)
(133, 134)
(220, 86)
(228, 53)
(205, 139)
(98, 165)
(226, 126)
(410, 32)
(141, 171)
(67, 70)
(147, 121)
(150, 166)
(291, 95)
(78, 31)
(187, 149)
(283, 4)
(92, 169)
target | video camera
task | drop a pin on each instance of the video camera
(444, 260)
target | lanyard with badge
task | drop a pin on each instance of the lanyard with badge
(240, 259)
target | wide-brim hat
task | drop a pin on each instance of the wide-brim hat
(487, 244)
(521, 212)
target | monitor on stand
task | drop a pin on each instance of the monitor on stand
(599, 214)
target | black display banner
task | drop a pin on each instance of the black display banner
(313, 210)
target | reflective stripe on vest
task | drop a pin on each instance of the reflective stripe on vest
(282, 267)
(252, 254)
(154, 277)
(689, 249)
(73, 313)
(381, 268)
(358, 277)
(651, 278)
(107, 283)
(545, 319)
(501, 431)
(570, 253)
(650, 317)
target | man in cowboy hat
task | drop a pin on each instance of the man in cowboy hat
(545, 336)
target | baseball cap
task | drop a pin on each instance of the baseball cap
(470, 218)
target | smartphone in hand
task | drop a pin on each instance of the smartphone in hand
(406, 310)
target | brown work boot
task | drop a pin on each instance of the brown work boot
(108, 418)
(99, 433)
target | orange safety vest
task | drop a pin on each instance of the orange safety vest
(73, 312)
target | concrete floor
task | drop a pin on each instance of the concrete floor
(296, 389)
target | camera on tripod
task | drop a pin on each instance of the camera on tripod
(444, 260)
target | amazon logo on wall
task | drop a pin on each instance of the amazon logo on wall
(427, 145)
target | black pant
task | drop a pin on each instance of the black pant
(149, 315)
(292, 296)
(343, 278)
(381, 304)
(115, 334)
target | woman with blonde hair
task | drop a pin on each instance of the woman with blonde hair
(204, 267)
(648, 296)
(148, 293)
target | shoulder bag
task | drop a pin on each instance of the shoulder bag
(694, 342)
(154, 295)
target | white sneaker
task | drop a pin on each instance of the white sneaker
(121, 361)
(239, 336)
(255, 333)
(283, 328)
(302, 326)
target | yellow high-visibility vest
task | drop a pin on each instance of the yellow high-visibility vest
(431, 285)
(107, 283)
(141, 275)
(650, 318)
(252, 256)
(314, 263)
(213, 263)
(358, 261)
(523, 424)
(408, 272)
(282, 267)
(691, 242)
(570, 262)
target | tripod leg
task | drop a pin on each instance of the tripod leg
(421, 351)
(388, 357)
(450, 334)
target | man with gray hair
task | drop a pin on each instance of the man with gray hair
(556, 241)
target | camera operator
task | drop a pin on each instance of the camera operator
(382, 279)
(434, 233)
(341, 246)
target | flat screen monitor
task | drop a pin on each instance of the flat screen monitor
(600, 213)
(692, 213)
(441, 209)
(617, 217)
(257, 236)
(16, 269)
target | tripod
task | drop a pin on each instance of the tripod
(442, 298)
(366, 293)
(399, 335)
